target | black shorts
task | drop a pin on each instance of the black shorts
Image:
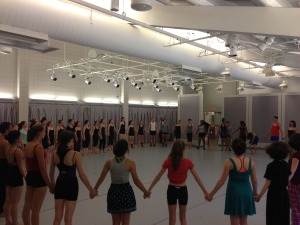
(152, 132)
(35, 179)
(179, 193)
(14, 177)
(189, 137)
(66, 189)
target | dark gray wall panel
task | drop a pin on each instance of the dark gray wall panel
(235, 110)
(263, 110)
(189, 107)
(292, 109)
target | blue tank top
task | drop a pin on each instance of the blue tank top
(65, 171)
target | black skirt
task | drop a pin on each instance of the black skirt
(120, 198)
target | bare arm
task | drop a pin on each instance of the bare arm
(157, 178)
(263, 190)
(136, 179)
(222, 179)
(199, 181)
(39, 152)
(81, 172)
(294, 166)
(281, 132)
(19, 158)
(103, 174)
(83, 133)
(52, 169)
(56, 135)
(253, 178)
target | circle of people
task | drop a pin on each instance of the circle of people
(282, 178)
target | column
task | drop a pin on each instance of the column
(23, 85)
(124, 100)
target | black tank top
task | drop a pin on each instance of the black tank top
(87, 133)
(141, 129)
(103, 132)
(78, 134)
(96, 131)
(111, 130)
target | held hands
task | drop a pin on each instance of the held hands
(257, 198)
(93, 193)
(147, 194)
(208, 197)
(51, 188)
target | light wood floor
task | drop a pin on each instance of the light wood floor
(154, 211)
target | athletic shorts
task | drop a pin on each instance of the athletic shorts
(274, 138)
(35, 179)
(175, 193)
(189, 137)
(152, 132)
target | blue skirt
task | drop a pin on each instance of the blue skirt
(120, 198)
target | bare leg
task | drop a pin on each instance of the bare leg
(37, 201)
(243, 220)
(116, 218)
(27, 205)
(182, 214)
(172, 214)
(234, 220)
(125, 218)
(70, 209)
(59, 211)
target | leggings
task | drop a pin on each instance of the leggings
(102, 143)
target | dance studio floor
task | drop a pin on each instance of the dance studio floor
(154, 211)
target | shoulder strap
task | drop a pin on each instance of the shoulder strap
(73, 159)
(242, 165)
(232, 161)
(35, 149)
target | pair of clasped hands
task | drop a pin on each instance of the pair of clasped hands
(93, 193)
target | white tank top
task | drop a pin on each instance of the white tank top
(152, 126)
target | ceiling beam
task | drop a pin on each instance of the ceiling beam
(254, 20)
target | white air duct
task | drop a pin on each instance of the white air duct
(69, 23)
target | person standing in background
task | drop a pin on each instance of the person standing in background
(102, 135)
(201, 134)
(165, 132)
(111, 130)
(141, 131)
(131, 133)
(243, 131)
(294, 184)
(95, 136)
(275, 130)
(177, 130)
(86, 138)
(189, 133)
(60, 127)
(45, 141)
(292, 129)
(70, 126)
(23, 127)
(78, 136)
(5, 128)
(51, 137)
(211, 133)
(122, 129)
(153, 129)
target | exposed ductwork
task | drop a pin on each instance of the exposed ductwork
(69, 23)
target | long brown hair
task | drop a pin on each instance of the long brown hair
(176, 154)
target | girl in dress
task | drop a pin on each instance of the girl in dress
(141, 131)
(23, 127)
(131, 132)
(178, 168)
(86, 138)
(277, 179)
(211, 133)
(120, 197)
(294, 185)
(239, 201)
(95, 136)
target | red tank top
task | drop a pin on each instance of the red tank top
(275, 129)
(32, 163)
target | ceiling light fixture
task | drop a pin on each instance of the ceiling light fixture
(106, 79)
(158, 89)
(53, 76)
(283, 85)
(116, 84)
(266, 43)
(71, 74)
(232, 42)
(137, 87)
(176, 88)
(5, 50)
(87, 81)
(141, 5)
(133, 82)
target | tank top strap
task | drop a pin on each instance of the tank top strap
(34, 155)
(250, 165)
(233, 163)
(242, 169)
